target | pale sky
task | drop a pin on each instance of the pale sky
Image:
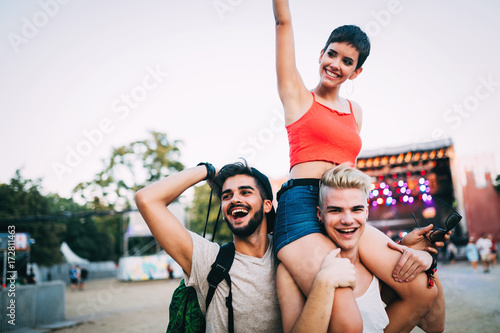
(80, 77)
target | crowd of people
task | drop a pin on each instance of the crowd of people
(78, 277)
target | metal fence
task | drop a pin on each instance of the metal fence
(32, 305)
(97, 270)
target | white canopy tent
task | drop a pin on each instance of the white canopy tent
(71, 256)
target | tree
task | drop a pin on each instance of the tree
(198, 215)
(130, 168)
(24, 206)
(50, 220)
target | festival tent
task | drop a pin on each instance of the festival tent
(71, 256)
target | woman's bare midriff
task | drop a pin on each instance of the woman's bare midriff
(314, 169)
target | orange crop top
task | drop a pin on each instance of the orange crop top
(324, 134)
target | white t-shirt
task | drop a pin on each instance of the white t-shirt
(372, 309)
(253, 280)
(484, 246)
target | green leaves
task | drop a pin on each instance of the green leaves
(130, 168)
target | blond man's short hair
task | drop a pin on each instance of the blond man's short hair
(344, 176)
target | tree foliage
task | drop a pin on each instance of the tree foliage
(92, 229)
(130, 168)
(23, 205)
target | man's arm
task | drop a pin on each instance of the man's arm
(313, 314)
(168, 231)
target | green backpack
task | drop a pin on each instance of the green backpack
(184, 312)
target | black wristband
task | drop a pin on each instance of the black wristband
(433, 265)
(210, 170)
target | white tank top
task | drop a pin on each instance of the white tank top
(372, 309)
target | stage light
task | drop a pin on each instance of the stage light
(405, 198)
(422, 188)
(401, 183)
(382, 185)
(386, 191)
(410, 199)
(375, 193)
(421, 180)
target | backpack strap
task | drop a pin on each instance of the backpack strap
(220, 271)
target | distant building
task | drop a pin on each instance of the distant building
(482, 201)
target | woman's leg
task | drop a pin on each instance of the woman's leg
(415, 299)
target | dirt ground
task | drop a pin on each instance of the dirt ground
(108, 305)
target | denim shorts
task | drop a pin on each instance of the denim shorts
(297, 215)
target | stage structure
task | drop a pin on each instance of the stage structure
(411, 179)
